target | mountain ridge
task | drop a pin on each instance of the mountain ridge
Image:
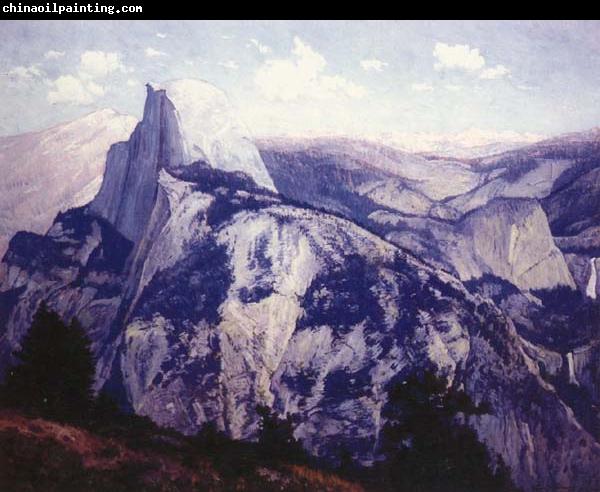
(52, 170)
(206, 294)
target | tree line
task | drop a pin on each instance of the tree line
(425, 444)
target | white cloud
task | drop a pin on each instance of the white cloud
(152, 53)
(422, 87)
(262, 48)
(463, 57)
(229, 64)
(496, 72)
(161, 35)
(458, 56)
(132, 82)
(302, 77)
(72, 90)
(83, 88)
(225, 36)
(26, 73)
(453, 87)
(53, 55)
(99, 64)
(94, 89)
(373, 64)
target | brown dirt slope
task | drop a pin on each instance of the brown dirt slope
(39, 455)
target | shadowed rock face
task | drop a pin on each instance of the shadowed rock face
(130, 187)
(576, 207)
(206, 294)
(79, 267)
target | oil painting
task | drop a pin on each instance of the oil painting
(299, 255)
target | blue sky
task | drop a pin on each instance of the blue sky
(313, 76)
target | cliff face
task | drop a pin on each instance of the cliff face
(511, 239)
(79, 267)
(210, 130)
(294, 326)
(263, 306)
(129, 190)
(206, 294)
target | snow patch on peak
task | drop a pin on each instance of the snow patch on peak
(211, 130)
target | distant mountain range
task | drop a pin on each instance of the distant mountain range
(467, 144)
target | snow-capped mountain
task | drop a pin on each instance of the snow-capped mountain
(467, 144)
(54, 170)
(205, 292)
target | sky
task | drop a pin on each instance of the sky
(311, 77)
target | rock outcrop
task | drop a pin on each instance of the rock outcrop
(210, 130)
(511, 239)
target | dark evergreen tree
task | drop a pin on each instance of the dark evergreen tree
(276, 437)
(105, 412)
(210, 438)
(428, 449)
(346, 464)
(55, 370)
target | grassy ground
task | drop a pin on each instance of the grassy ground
(39, 455)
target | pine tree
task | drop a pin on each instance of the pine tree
(425, 446)
(55, 370)
(276, 437)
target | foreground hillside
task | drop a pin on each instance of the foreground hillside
(40, 455)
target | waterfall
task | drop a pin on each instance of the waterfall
(571, 368)
(591, 286)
